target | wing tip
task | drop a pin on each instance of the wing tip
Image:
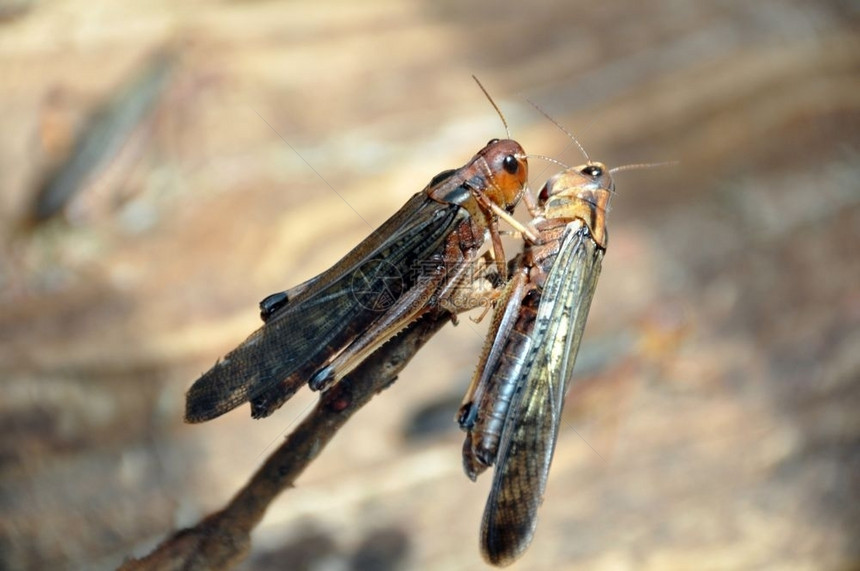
(506, 532)
(502, 555)
(196, 412)
(203, 402)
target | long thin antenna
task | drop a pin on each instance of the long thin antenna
(496, 107)
(559, 125)
(548, 159)
(642, 166)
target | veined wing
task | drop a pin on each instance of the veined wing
(327, 314)
(531, 428)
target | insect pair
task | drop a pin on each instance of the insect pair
(423, 259)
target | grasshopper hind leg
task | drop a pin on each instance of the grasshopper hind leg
(322, 379)
(272, 303)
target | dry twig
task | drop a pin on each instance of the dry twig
(222, 539)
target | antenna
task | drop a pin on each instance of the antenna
(493, 103)
(642, 166)
(549, 159)
(559, 125)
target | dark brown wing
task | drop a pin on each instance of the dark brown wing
(325, 316)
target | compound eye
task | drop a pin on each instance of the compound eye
(492, 142)
(511, 164)
(593, 170)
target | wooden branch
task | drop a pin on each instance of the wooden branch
(222, 539)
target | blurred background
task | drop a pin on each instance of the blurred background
(167, 165)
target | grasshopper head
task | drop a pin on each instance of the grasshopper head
(507, 171)
(580, 192)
